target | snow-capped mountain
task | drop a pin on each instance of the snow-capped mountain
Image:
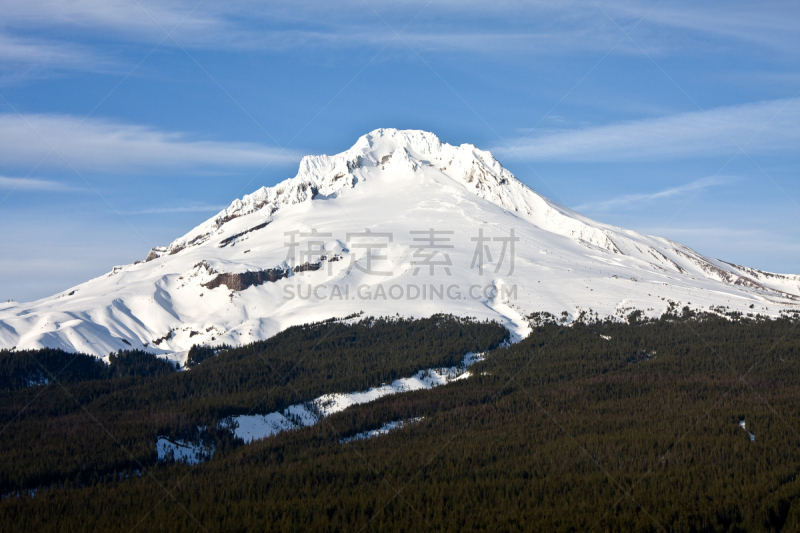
(401, 223)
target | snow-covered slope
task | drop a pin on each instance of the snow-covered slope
(247, 273)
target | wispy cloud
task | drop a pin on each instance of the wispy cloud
(47, 53)
(643, 198)
(25, 58)
(168, 210)
(143, 19)
(98, 144)
(770, 126)
(768, 24)
(716, 233)
(504, 29)
(31, 184)
(281, 26)
(538, 25)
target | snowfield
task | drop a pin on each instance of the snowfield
(401, 223)
(255, 427)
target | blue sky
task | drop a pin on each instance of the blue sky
(123, 124)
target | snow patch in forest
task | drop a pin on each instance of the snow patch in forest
(182, 451)
(383, 430)
(255, 427)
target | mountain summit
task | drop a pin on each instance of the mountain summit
(401, 223)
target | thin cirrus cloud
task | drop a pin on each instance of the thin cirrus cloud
(769, 24)
(292, 25)
(144, 19)
(227, 25)
(169, 210)
(629, 200)
(48, 53)
(26, 141)
(33, 184)
(771, 126)
(503, 30)
(26, 58)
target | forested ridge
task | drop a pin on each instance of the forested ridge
(602, 426)
(105, 418)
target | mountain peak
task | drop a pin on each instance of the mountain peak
(418, 141)
(386, 150)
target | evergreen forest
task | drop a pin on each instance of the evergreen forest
(683, 423)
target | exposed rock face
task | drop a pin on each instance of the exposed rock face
(166, 337)
(239, 282)
(244, 280)
(232, 238)
(732, 278)
(308, 267)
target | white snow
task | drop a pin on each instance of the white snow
(383, 430)
(40, 380)
(424, 379)
(179, 450)
(743, 425)
(255, 427)
(390, 182)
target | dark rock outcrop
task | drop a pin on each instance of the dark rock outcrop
(239, 282)
(225, 242)
(244, 280)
